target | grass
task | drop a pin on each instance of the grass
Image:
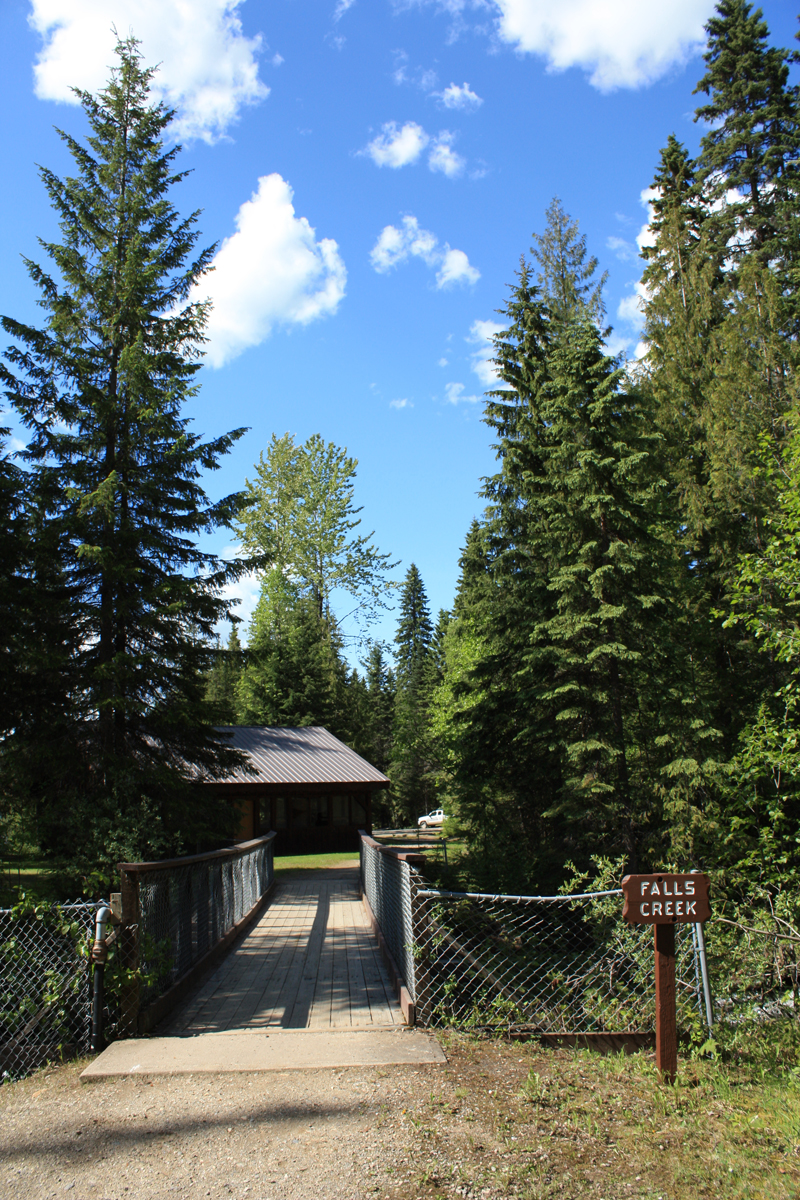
(31, 875)
(520, 1120)
(313, 862)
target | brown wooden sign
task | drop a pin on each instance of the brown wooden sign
(666, 899)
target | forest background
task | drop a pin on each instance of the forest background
(617, 677)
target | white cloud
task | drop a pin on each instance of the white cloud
(400, 404)
(625, 251)
(481, 334)
(208, 72)
(616, 344)
(245, 591)
(621, 43)
(395, 147)
(341, 8)
(395, 246)
(444, 158)
(454, 394)
(645, 236)
(444, 362)
(459, 97)
(456, 268)
(272, 271)
(631, 308)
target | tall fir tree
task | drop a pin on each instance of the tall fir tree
(566, 275)
(719, 370)
(412, 767)
(381, 690)
(114, 472)
(752, 139)
(295, 673)
(222, 689)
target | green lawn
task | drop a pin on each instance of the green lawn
(313, 862)
(29, 875)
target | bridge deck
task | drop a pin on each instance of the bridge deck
(310, 961)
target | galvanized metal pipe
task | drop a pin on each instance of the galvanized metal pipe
(99, 955)
(701, 946)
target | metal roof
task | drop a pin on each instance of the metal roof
(309, 754)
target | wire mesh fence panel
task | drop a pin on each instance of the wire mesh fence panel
(754, 962)
(45, 1000)
(386, 882)
(186, 909)
(548, 964)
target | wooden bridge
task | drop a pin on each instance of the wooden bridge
(311, 961)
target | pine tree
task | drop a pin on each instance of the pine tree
(295, 673)
(412, 767)
(566, 278)
(114, 481)
(381, 690)
(222, 689)
(752, 144)
(718, 371)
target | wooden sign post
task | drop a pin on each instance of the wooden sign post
(664, 901)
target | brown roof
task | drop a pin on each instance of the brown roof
(309, 754)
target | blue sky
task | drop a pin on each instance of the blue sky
(373, 172)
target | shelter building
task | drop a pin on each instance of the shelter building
(314, 791)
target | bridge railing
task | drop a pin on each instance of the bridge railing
(180, 915)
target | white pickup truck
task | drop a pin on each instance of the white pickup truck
(437, 817)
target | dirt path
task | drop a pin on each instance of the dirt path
(337, 1135)
(497, 1122)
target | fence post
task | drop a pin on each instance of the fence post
(421, 948)
(130, 950)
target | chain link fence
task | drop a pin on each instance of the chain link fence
(185, 907)
(547, 964)
(45, 975)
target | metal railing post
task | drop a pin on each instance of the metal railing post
(701, 946)
(420, 924)
(130, 951)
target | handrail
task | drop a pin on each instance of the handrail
(167, 864)
(410, 856)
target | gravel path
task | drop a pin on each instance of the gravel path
(317, 1134)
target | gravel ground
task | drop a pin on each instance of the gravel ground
(332, 1134)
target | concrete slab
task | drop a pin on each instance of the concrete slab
(278, 1050)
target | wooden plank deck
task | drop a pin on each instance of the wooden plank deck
(310, 962)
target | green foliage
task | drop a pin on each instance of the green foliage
(412, 767)
(224, 681)
(295, 673)
(300, 517)
(566, 276)
(117, 633)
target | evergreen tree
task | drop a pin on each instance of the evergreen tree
(381, 690)
(580, 462)
(295, 673)
(222, 689)
(566, 277)
(412, 766)
(719, 372)
(752, 144)
(114, 482)
(759, 821)
(550, 707)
